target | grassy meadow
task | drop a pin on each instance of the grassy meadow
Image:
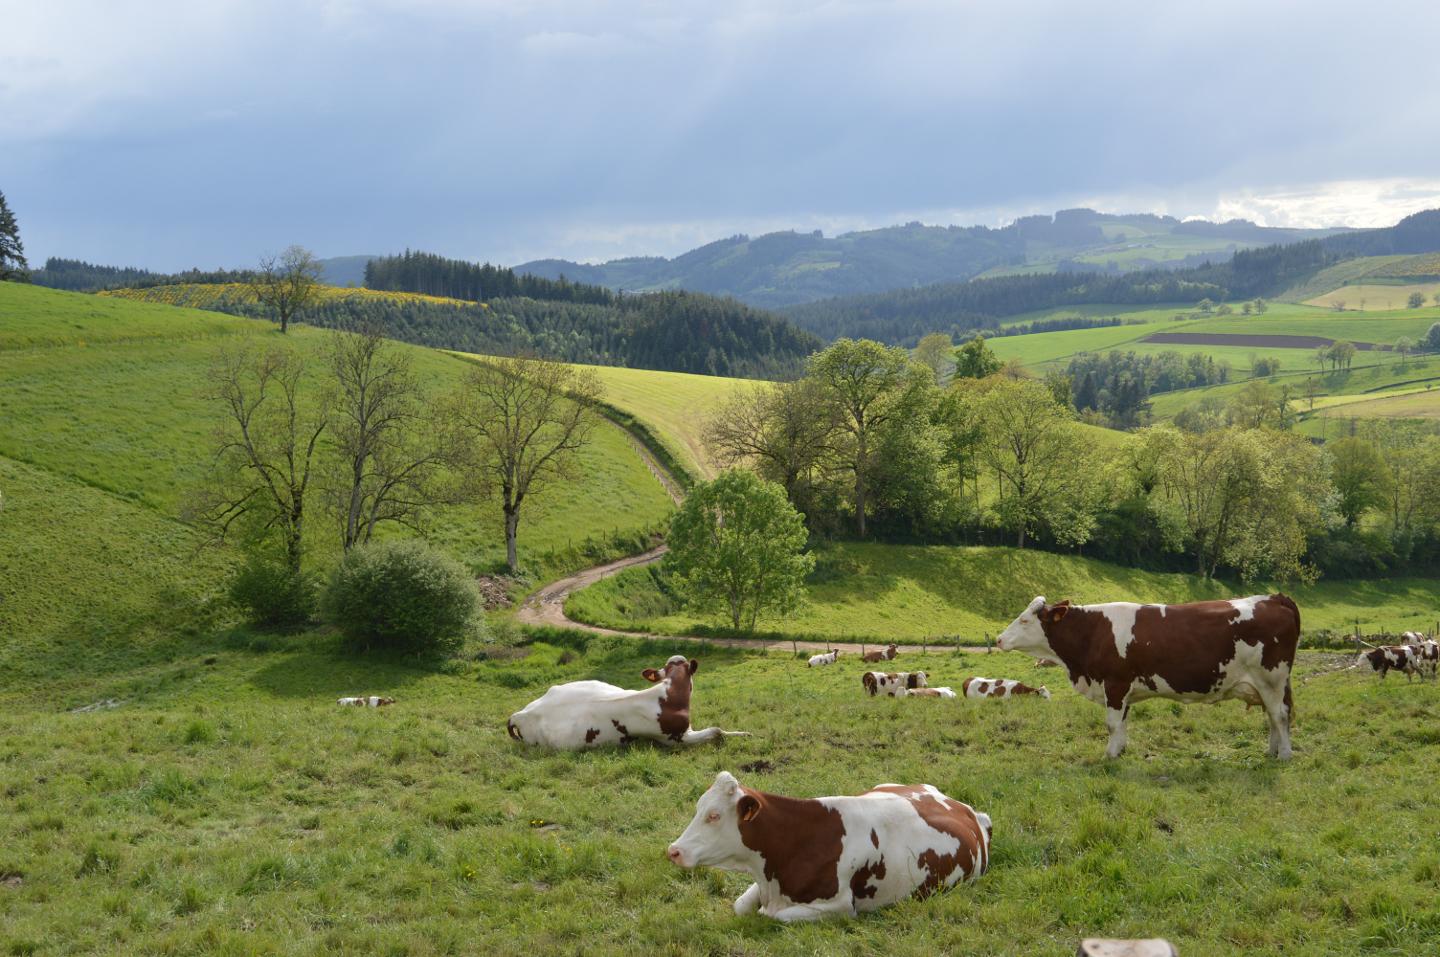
(108, 393)
(227, 806)
(914, 593)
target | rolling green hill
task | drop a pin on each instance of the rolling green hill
(107, 394)
(781, 269)
(920, 592)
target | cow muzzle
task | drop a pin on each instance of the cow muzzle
(677, 856)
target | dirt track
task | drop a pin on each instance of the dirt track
(547, 607)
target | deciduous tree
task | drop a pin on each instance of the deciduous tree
(518, 426)
(737, 546)
(287, 283)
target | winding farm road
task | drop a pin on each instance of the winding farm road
(547, 606)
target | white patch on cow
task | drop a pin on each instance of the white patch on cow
(1246, 606)
(1122, 621)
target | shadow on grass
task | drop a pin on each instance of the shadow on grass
(327, 670)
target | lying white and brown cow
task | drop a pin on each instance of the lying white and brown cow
(927, 693)
(1119, 653)
(584, 714)
(999, 688)
(371, 701)
(892, 682)
(822, 857)
(826, 659)
(886, 654)
(1388, 658)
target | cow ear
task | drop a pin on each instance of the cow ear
(694, 666)
(1059, 610)
(747, 807)
(650, 674)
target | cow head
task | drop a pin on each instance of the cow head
(870, 682)
(676, 667)
(891, 652)
(1028, 631)
(916, 679)
(713, 837)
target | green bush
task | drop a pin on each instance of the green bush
(271, 595)
(402, 595)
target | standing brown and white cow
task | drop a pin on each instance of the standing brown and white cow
(586, 714)
(1388, 658)
(1118, 653)
(834, 856)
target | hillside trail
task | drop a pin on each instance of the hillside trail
(547, 606)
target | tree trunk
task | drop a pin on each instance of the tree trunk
(512, 525)
(1021, 542)
(860, 462)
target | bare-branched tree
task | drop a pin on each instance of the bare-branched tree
(287, 283)
(387, 454)
(519, 423)
(266, 447)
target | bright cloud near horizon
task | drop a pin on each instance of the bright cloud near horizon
(172, 134)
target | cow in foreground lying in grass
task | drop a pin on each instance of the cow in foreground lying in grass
(584, 714)
(1388, 658)
(1120, 652)
(999, 688)
(822, 857)
(926, 693)
(892, 682)
(826, 659)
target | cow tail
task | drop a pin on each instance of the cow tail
(1289, 706)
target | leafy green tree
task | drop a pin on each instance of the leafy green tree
(1342, 353)
(737, 547)
(1223, 309)
(287, 283)
(1043, 469)
(1257, 404)
(1415, 300)
(975, 360)
(13, 267)
(1206, 306)
(1432, 337)
(1403, 347)
(1243, 498)
(1360, 477)
(936, 353)
(1261, 306)
(786, 431)
(865, 382)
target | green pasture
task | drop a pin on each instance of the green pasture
(228, 806)
(1369, 297)
(1335, 387)
(119, 407)
(914, 593)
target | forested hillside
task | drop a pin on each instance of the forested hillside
(903, 315)
(788, 268)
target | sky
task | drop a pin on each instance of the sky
(174, 133)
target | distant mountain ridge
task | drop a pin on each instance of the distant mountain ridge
(789, 268)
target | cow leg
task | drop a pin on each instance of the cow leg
(710, 734)
(1277, 709)
(1115, 721)
(748, 902)
(842, 904)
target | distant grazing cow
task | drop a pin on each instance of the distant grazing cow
(370, 702)
(1390, 658)
(927, 693)
(822, 857)
(891, 682)
(1429, 653)
(825, 659)
(1119, 653)
(999, 688)
(887, 655)
(1412, 638)
(583, 714)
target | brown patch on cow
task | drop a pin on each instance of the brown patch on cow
(999, 691)
(860, 880)
(912, 679)
(873, 656)
(950, 817)
(965, 686)
(869, 682)
(874, 838)
(1024, 689)
(624, 732)
(675, 704)
(591, 735)
(800, 842)
(1187, 645)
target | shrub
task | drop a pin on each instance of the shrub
(271, 595)
(402, 595)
